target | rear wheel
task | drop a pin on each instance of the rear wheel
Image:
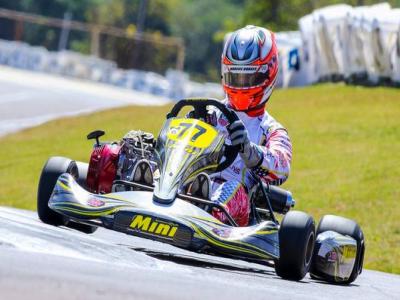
(54, 167)
(348, 227)
(296, 245)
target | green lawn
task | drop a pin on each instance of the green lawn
(346, 156)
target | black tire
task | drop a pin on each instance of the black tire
(54, 167)
(82, 227)
(296, 245)
(82, 173)
(346, 227)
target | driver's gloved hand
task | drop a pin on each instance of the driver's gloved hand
(211, 117)
(249, 152)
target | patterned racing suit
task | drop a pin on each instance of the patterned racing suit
(230, 187)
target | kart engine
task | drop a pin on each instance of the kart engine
(136, 146)
(111, 161)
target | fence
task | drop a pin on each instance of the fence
(98, 33)
(110, 48)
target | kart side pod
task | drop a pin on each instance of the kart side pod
(339, 250)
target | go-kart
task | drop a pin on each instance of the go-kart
(138, 186)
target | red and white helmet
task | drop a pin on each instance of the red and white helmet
(249, 68)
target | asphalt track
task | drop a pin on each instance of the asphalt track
(30, 98)
(38, 261)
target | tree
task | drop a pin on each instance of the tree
(198, 22)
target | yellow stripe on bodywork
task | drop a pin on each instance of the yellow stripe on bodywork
(209, 237)
(64, 186)
(91, 214)
(263, 232)
(105, 196)
(232, 247)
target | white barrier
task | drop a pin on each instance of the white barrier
(291, 68)
(360, 44)
(175, 84)
(376, 56)
(309, 59)
(329, 26)
(395, 52)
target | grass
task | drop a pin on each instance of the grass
(346, 156)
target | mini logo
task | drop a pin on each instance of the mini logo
(94, 202)
(149, 225)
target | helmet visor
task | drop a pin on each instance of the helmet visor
(244, 76)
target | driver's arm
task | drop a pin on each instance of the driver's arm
(270, 161)
(274, 166)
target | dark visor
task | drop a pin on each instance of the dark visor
(245, 80)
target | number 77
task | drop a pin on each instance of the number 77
(186, 126)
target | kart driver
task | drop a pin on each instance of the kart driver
(249, 68)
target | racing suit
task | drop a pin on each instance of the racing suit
(273, 153)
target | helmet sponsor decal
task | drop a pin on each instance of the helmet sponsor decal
(241, 69)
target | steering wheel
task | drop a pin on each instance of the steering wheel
(200, 111)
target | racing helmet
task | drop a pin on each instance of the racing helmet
(249, 68)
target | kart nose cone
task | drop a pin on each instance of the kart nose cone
(162, 200)
(164, 193)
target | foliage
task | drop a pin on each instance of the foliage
(198, 22)
(345, 156)
(202, 24)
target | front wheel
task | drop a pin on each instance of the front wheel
(296, 245)
(54, 167)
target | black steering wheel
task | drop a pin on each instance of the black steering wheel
(200, 111)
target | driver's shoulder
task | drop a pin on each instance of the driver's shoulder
(269, 124)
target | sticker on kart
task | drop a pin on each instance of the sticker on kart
(194, 133)
(147, 224)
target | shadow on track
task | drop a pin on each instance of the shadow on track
(203, 262)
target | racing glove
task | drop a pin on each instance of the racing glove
(249, 152)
